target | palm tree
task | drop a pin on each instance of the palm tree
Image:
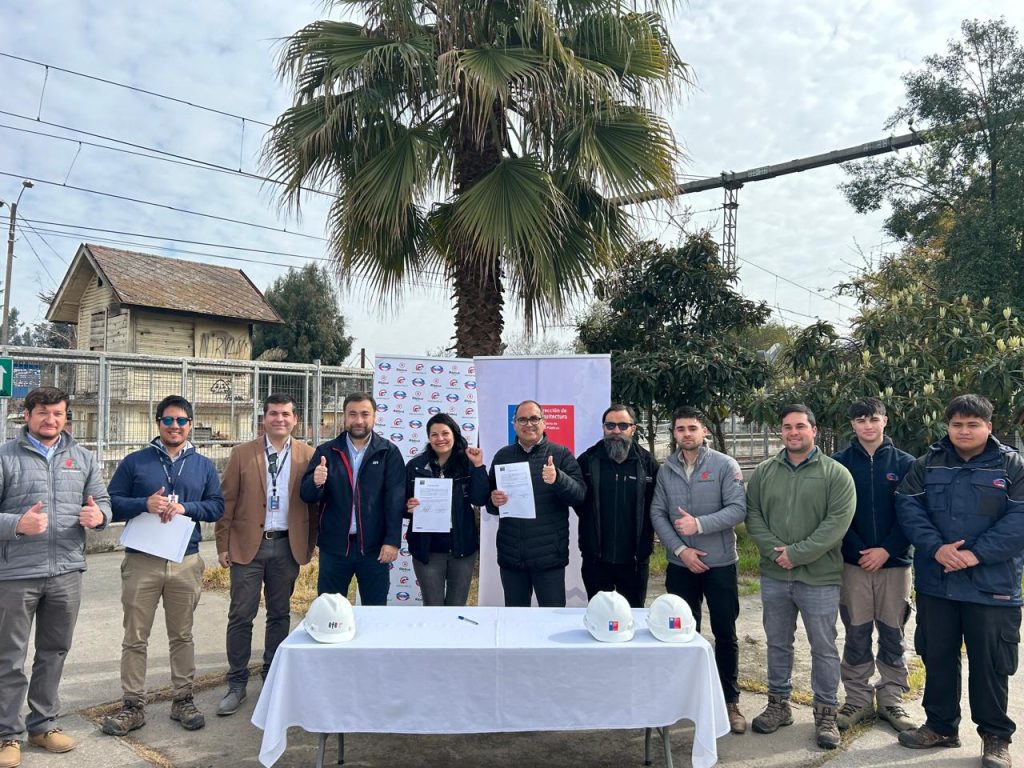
(480, 140)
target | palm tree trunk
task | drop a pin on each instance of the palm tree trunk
(478, 309)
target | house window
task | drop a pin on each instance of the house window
(98, 331)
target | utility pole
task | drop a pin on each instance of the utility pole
(5, 329)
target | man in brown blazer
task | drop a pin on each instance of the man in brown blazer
(266, 533)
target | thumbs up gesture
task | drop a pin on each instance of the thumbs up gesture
(33, 522)
(320, 473)
(91, 515)
(686, 524)
(156, 503)
(549, 473)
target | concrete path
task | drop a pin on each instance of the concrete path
(91, 679)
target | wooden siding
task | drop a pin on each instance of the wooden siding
(95, 298)
(166, 335)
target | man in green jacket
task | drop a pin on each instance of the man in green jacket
(799, 506)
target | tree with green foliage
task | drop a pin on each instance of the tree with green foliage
(963, 190)
(912, 349)
(670, 319)
(480, 140)
(313, 326)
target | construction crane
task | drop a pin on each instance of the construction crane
(731, 182)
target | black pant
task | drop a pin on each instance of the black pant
(991, 634)
(337, 570)
(628, 579)
(520, 584)
(719, 588)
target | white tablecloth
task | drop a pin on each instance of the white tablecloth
(422, 670)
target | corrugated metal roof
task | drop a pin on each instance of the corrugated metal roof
(145, 280)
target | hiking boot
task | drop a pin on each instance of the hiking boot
(775, 715)
(925, 738)
(897, 717)
(232, 701)
(826, 730)
(737, 722)
(10, 753)
(184, 711)
(851, 714)
(52, 741)
(132, 715)
(995, 752)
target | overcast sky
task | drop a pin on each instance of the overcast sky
(774, 81)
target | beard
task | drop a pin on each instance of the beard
(359, 432)
(617, 448)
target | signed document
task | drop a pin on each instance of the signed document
(434, 514)
(169, 540)
(514, 481)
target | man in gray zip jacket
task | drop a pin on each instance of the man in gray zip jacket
(51, 491)
(698, 499)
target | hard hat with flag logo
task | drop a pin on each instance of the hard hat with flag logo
(671, 620)
(609, 618)
(330, 619)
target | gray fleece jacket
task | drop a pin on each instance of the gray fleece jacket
(714, 494)
(63, 485)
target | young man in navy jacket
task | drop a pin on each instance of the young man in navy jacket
(358, 481)
(167, 478)
(962, 507)
(876, 573)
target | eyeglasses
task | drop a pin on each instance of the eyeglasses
(181, 421)
(522, 421)
(622, 426)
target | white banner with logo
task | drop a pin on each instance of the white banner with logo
(574, 391)
(409, 390)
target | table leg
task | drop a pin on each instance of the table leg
(321, 750)
(341, 749)
(647, 746)
(668, 746)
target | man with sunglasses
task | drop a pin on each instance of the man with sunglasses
(698, 502)
(167, 478)
(266, 533)
(533, 553)
(615, 533)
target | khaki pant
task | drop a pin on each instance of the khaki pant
(146, 579)
(879, 601)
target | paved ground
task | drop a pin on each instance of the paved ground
(91, 679)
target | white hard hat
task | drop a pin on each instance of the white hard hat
(609, 618)
(330, 619)
(671, 620)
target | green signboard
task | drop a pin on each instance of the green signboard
(6, 376)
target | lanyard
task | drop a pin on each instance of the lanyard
(172, 480)
(273, 467)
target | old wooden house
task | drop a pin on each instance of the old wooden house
(142, 304)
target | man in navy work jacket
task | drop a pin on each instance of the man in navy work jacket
(876, 573)
(167, 478)
(533, 553)
(358, 481)
(962, 507)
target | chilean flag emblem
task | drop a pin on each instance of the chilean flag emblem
(1000, 482)
(675, 622)
(613, 626)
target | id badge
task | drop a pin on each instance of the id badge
(173, 498)
(275, 503)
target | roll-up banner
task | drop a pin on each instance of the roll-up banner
(574, 391)
(409, 390)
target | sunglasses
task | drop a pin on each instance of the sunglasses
(622, 426)
(181, 421)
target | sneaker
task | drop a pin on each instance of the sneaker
(995, 751)
(132, 715)
(184, 711)
(52, 741)
(231, 702)
(925, 738)
(897, 717)
(10, 753)
(826, 730)
(851, 714)
(775, 715)
(737, 722)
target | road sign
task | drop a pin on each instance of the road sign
(6, 376)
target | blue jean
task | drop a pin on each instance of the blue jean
(818, 606)
(336, 572)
